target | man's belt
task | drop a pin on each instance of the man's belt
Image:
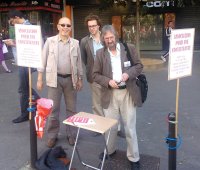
(122, 87)
(64, 76)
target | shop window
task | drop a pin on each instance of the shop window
(151, 31)
(49, 22)
(33, 17)
(4, 25)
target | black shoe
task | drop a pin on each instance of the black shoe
(20, 119)
(94, 134)
(110, 155)
(121, 134)
(135, 165)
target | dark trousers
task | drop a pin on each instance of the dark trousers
(23, 91)
(167, 53)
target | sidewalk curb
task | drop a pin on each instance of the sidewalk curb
(151, 63)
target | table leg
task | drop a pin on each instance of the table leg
(106, 149)
(72, 157)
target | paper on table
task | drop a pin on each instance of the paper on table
(80, 120)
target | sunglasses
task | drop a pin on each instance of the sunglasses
(65, 25)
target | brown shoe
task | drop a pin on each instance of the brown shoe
(51, 142)
(71, 140)
(66, 161)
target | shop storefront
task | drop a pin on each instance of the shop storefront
(154, 16)
(45, 13)
(124, 20)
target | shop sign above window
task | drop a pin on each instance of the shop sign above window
(54, 4)
(13, 4)
(158, 4)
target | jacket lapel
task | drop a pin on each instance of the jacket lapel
(108, 63)
(71, 46)
(90, 43)
(123, 56)
(55, 45)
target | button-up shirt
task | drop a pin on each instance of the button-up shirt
(116, 64)
(64, 63)
(96, 45)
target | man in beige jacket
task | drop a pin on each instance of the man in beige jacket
(62, 63)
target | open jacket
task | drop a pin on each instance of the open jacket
(87, 53)
(50, 60)
(102, 74)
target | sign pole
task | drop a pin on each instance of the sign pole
(173, 132)
(33, 136)
(177, 105)
(171, 140)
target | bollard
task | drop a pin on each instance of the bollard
(33, 135)
(172, 141)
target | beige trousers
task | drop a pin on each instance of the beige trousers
(96, 99)
(121, 104)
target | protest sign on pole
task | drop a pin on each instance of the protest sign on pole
(29, 45)
(29, 53)
(181, 53)
(180, 65)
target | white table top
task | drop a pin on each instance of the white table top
(101, 124)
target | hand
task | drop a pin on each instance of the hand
(9, 42)
(79, 85)
(113, 84)
(125, 77)
(40, 85)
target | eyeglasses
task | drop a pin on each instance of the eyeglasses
(91, 26)
(65, 25)
(109, 38)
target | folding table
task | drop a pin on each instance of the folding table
(93, 123)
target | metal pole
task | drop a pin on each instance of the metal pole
(172, 141)
(138, 27)
(177, 104)
(33, 136)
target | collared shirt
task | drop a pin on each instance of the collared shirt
(116, 64)
(26, 22)
(64, 62)
(96, 45)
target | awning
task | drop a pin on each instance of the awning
(48, 5)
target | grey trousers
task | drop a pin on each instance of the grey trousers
(64, 87)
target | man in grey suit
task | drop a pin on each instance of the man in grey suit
(89, 45)
(120, 94)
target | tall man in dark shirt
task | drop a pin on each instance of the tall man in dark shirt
(17, 17)
(168, 34)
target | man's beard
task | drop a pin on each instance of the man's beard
(112, 46)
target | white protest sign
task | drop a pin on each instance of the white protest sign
(29, 45)
(181, 53)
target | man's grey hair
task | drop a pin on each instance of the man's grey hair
(108, 28)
